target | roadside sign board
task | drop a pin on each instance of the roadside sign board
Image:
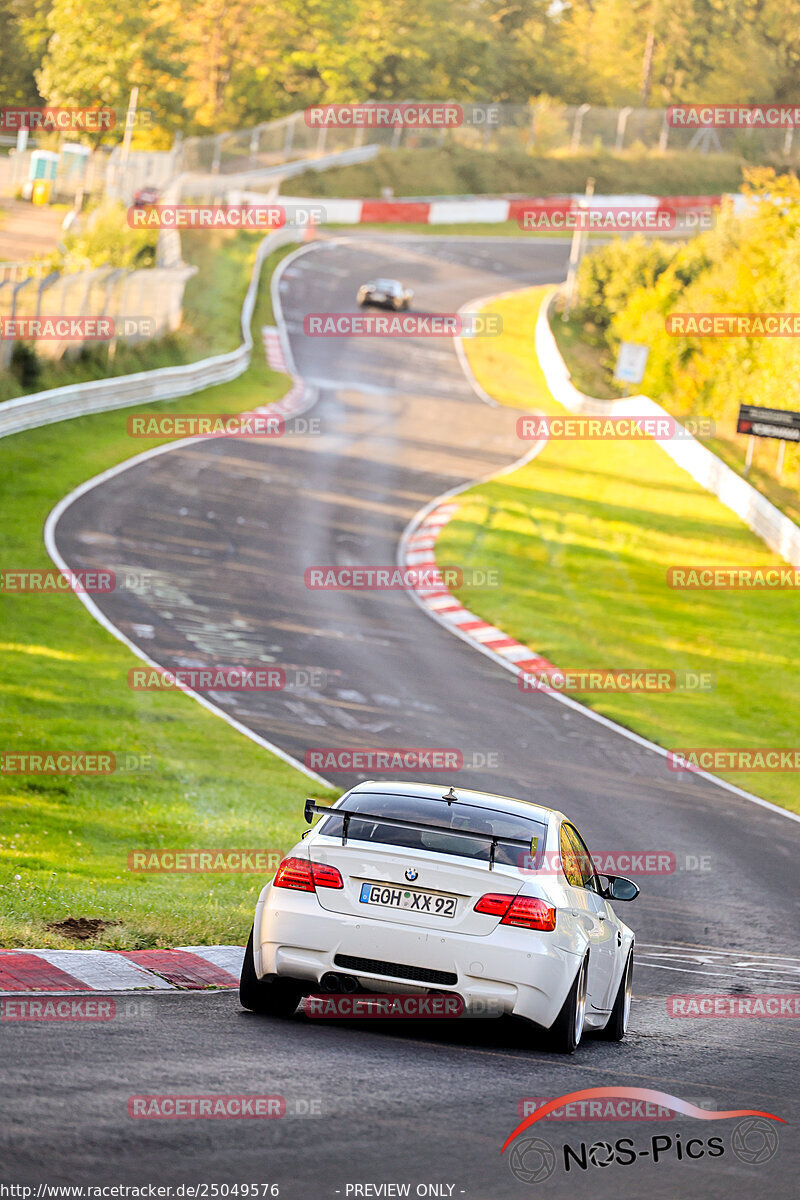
(631, 362)
(768, 423)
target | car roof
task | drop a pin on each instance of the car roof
(436, 791)
(395, 283)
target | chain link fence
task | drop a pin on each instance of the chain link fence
(542, 128)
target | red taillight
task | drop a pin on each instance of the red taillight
(524, 911)
(294, 873)
(326, 876)
(530, 913)
(495, 904)
(303, 876)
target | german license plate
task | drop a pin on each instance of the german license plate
(408, 899)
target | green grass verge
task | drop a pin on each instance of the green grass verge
(457, 171)
(583, 536)
(64, 841)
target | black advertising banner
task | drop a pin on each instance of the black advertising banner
(768, 422)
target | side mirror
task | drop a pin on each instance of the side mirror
(620, 888)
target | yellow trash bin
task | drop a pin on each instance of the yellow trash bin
(42, 189)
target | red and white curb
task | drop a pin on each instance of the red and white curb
(273, 348)
(300, 397)
(186, 968)
(475, 209)
(418, 553)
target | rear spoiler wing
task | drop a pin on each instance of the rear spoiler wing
(311, 807)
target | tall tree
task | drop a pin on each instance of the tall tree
(139, 45)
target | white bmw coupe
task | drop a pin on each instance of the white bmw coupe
(416, 887)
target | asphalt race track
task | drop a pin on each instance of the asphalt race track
(227, 529)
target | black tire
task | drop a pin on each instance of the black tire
(617, 1025)
(270, 997)
(566, 1031)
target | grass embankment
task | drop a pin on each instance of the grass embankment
(591, 366)
(458, 171)
(64, 840)
(584, 535)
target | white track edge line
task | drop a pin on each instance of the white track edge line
(63, 504)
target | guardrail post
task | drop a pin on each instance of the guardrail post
(622, 121)
(289, 139)
(531, 139)
(663, 137)
(217, 155)
(254, 140)
(578, 126)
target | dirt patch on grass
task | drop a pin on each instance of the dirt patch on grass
(81, 929)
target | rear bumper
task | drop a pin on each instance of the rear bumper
(511, 971)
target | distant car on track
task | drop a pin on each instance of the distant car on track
(385, 293)
(143, 197)
(415, 886)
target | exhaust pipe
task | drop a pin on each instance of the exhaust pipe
(331, 982)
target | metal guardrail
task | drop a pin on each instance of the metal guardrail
(205, 185)
(14, 271)
(165, 383)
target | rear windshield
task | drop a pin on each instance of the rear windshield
(445, 820)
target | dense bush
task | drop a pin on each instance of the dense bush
(749, 263)
(104, 238)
